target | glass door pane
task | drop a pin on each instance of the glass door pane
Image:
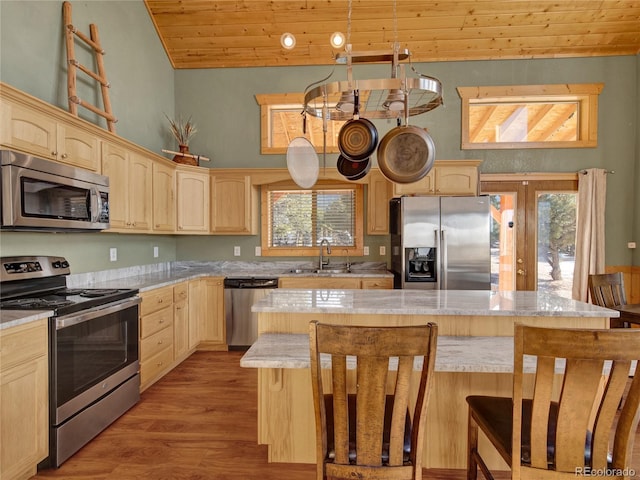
(502, 241)
(556, 242)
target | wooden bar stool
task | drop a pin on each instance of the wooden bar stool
(559, 435)
(607, 290)
(362, 430)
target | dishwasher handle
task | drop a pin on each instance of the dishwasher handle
(253, 282)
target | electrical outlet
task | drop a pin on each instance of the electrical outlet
(236, 251)
(366, 250)
(113, 254)
(156, 252)
(258, 251)
(631, 245)
(383, 250)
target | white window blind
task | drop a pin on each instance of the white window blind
(303, 218)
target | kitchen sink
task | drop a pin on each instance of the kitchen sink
(318, 271)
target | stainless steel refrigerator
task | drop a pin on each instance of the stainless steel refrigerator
(441, 243)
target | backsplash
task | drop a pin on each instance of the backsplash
(216, 267)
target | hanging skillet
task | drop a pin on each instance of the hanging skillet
(406, 153)
(358, 137)
(302, 160)
(351, 169)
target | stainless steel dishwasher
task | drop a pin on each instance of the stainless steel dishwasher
(239, 295)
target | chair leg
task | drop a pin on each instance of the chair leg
(472, 448)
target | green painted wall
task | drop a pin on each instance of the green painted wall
(222, 103)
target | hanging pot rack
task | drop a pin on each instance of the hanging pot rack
(424, 93)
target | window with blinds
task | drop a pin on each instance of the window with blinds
(300, 219)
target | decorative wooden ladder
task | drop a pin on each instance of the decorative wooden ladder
(73, 64)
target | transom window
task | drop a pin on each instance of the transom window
(281, 121)
(530, 116)
(297, 220)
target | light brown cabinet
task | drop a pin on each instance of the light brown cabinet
(447, 177)
(164, 197)
(130, 188)
(193, 200)
(234, 204)
(24, 401)
(211, 326)
(181, 332)
(156, 335)
(379, 193)
(335, 282)
(29, 130)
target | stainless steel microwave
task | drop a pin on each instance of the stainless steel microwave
(39, 194)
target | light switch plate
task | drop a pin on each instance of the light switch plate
(631, 245)
(156, 252)
(258, 251)
(236, 251)
(383, 250)
(113, 254)
(366, 250)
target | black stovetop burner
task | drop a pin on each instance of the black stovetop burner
(38, 283)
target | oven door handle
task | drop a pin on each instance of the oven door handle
(100, 311)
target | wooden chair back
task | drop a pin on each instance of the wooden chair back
(607, 289)
(370, 351)
(587, 406)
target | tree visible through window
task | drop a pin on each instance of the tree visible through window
(301, 219)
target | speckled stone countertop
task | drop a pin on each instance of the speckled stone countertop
(149, 277)
(427, 302)
(454, 354)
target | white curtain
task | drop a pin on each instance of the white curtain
(592, 192)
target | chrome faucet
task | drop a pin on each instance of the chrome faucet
(321, 262)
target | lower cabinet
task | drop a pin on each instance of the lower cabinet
(181, 330)
(156, 335)
(336, 282)
(175, 321)
(211, 323)
(24, 401)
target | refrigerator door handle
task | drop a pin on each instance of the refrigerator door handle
(445, 260)
(439, 270)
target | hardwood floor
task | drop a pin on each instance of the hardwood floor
(197, 423)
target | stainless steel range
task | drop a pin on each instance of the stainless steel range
(93, 348)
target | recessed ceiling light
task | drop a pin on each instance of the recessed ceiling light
(337, 40)
(288, 41)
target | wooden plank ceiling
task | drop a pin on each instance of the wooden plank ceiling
(246, 33)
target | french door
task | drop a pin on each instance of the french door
(533, 232)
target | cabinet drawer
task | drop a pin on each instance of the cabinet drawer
(155, 322)
(155, 365)
(372, 283)
(180, 292)
(23, 343)
(153, 344)
(155, 300)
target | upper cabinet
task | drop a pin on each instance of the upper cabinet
(447, 177)
(35, 132)
(164, 197)
(130, 188)
(378, 195)
(193, 199)
(234, 204)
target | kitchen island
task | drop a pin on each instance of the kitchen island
(285, 404)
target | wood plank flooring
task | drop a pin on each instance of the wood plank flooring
(198, 423)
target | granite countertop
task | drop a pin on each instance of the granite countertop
(182, 271)
(428, 302)
(150, 277)
(454, 354)
(13, 318)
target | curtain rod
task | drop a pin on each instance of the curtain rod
(584, 172)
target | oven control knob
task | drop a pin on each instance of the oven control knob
(56, 264)
(65, 264)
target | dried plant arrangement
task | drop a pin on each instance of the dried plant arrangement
(181, 130)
